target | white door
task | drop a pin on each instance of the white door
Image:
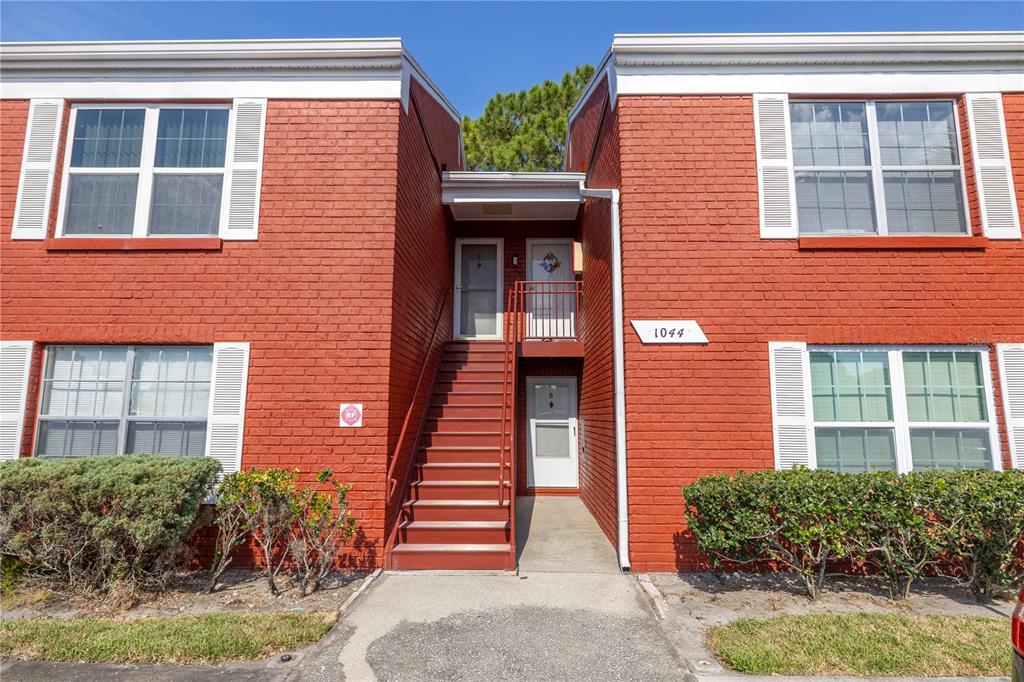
(478, 284)
(551, 296)
(552, 443)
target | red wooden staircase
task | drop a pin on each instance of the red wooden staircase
(457, 509)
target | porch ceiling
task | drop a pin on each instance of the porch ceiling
(477, 195)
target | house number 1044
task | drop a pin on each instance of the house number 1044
(669, 331)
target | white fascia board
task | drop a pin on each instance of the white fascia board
(697, 81)
(915, 44)
(349, 68)
(811, 63)
(376, 86)
(470, 187)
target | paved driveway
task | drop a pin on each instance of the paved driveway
(539, 626)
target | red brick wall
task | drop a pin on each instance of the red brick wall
(423, 276)
(586, 128)
(597, 407)
(312, 295)
(691, 251)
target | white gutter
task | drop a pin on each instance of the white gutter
(618, 365)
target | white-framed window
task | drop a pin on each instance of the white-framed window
(110, 400)
(138, 170)
(882, 167)
(902, 408)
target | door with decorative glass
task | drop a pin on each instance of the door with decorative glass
(552, 441)
(478, 284)
(551, 293)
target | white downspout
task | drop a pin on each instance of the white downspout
(618, 365)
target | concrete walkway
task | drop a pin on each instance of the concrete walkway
(557, 534)
(539, 626)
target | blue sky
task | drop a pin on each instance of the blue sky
(473, 49)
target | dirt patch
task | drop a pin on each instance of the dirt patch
(240, 592)
(715, 599)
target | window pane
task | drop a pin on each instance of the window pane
(77, 439)
(84, 382)
(166, 438)
(835, 202)
(108, 138)
(851, 386)
(829, 134)
(855, 450)
(186, 204)
(101, 204)
(925, 202)
(171, 382)
(917, 133)
(945, 386)
(191, 138)
(950, 449)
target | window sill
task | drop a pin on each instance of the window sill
(881, 243)
(133, 244)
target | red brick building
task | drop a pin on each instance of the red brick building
(766, 251)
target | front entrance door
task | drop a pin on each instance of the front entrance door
(552, 422)
(551, 294)
(478, 284)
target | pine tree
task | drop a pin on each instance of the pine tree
(525, 130)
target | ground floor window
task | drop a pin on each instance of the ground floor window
(109, 400)
(902, 409)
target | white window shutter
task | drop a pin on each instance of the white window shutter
(792, 418)
(775, 182)
(226, 418)
(1011, 381)
(999, 216)
(15, 361)
(241, 211)
(39, 161)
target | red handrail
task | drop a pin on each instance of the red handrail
(392, 482)
(508, 414)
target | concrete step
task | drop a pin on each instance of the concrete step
(487, 410)
(464, 425)
(458, 471)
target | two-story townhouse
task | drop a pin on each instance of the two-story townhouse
(766, 250)
(838, 213)
(208, 246)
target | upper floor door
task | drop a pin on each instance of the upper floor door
(478, 285)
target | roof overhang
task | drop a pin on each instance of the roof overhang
(342, 68)
(493, 196)
(811, 63)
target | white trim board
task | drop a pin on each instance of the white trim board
(909, 63)
(360, 68)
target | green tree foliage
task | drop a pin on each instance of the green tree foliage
(525, 130)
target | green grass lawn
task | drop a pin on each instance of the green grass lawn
(182, 639)
(865, 644)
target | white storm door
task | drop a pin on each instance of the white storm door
(478, 285)
(552, 424)
(551, 296)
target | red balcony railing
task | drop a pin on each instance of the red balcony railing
(549, 310)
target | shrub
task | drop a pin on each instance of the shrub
(267, 502)
(797, 518)
(323, 527)
(968, 523)
(900, 534)
(97, 522)
(304, 526)
(984, 522)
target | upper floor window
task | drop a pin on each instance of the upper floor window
(110, 400)
(145, 170)
(877, 167)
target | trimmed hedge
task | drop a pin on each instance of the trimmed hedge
(966, 524)
(97, 522)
